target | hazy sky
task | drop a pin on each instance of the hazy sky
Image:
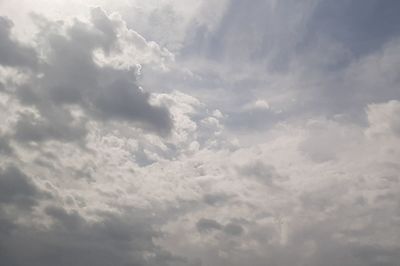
(200, 133)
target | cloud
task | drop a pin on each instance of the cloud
(61, 236)
(384, 118)
(208, 225)
(68, 77)
(361, 28)
(306, 63)
(12, 52)
(215, 198)
(326, 210)
(16, 188)
(267, 133)
(72, 239)
(233, 229)
(262, 172)
(5, 147)
(327, 139)
(31, 128)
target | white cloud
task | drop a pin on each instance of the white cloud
(384, 119)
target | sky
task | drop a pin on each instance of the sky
(199, 133)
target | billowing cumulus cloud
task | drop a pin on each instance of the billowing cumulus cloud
(122, 239)
(202, 134)
(68, 77)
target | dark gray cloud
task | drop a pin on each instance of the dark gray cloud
(126, 239)
(58, 127)
(233, 229)
(115, 240)
(215, 199)
(16, 188)
(5, 146)
(124, 100)
(263, 173)
(12, 52)
(105, 25)
(68, 77)
(208, 225)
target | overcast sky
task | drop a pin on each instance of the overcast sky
(199, 133)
